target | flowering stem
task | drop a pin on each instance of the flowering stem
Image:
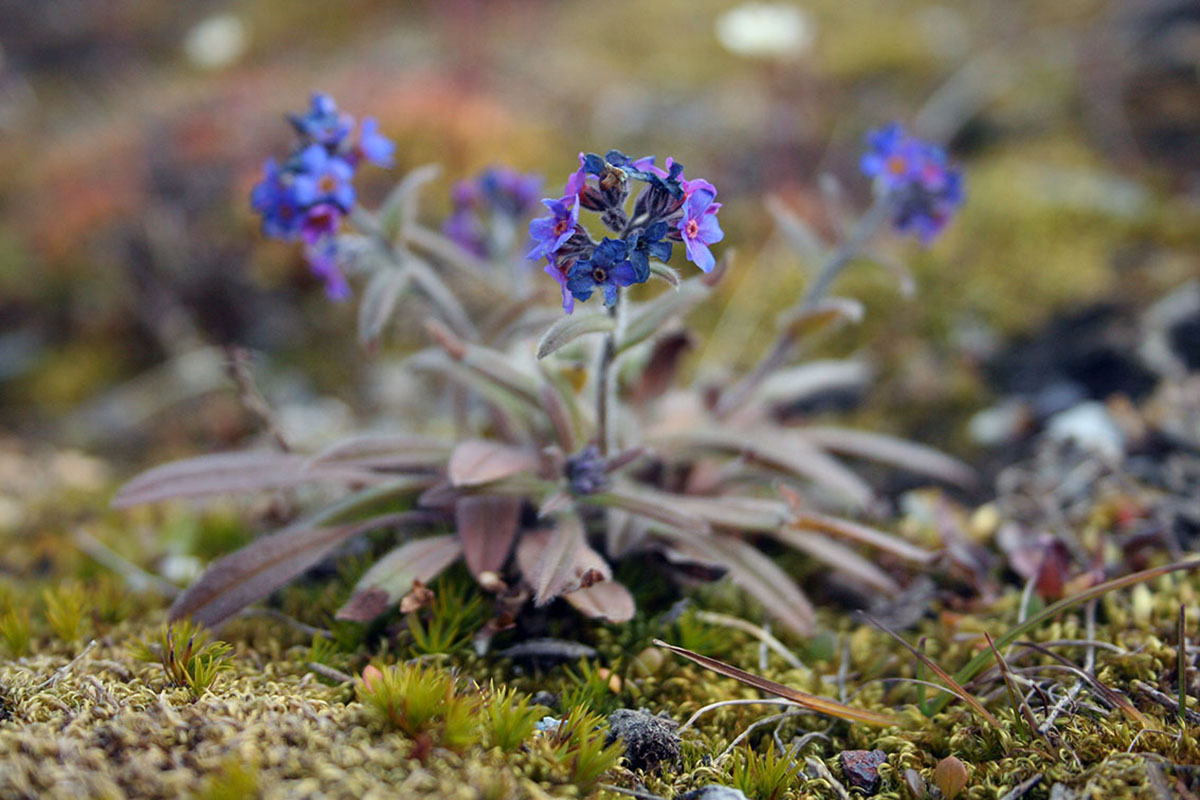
(604, 389)
(778, 355)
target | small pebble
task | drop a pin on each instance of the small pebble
(861, 768)
(714, 792)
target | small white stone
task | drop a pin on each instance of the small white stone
(765, 30)
(1090, 426)
(216, 42)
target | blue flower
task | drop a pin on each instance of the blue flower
(509, 191)
(323, 178)
(274, 200)
(586, 471)
(646, 244)
(924, 190)
(374, 146)
(552, 232)
(323, 124)
(322, 259)
(608, 268)
(698, 227)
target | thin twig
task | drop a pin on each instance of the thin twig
(331, 673)
(753, 726)
(821, 771)
(66, 668)
(764, 636)
(1021, 789)
(722, 703)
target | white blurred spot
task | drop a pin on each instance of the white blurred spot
(1091, 427)
(215, 42)
(765, 30)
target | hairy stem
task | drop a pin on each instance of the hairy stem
(604, 388)
(818, 288)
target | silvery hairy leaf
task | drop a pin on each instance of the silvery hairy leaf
(607, 600)
(390, 451)
(646, 319)
(399, 211)
(235, 581)
(891, 450)
(798, 233)
(571, 327)
(379, 301)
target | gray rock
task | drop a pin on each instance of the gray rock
(650, 740)
(714, 792)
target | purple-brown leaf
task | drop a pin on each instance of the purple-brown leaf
(487, 525)
(558, 560)
(607, 600)
(391, 577)
(235, 581)
(222, 473)
(476, 462)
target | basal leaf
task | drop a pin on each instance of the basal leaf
(391, 577)
(476, 462)
(487, 526)
(558, 560)
(891, 450)
(607, 600)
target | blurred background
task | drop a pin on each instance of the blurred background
(131, 132)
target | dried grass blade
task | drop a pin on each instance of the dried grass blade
(812, 702)
(1018, 703)
(954, 685)
(1111, 696)
(977, 663)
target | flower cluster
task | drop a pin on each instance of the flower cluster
(488, 207)
(307, 196)
(667, 209)
(924, 191)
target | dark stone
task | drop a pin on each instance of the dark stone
(861, 768)
(650, 740)
(544, 698)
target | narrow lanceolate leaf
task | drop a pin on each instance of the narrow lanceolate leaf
(838, 557)
(648, 318)
(399, 210)
(391, 451)
(607, 600)
(558, 560)
(379, 301)
(891, 450)
(799, 233)
(812, 702)
(830, 310)
(487, 526)
(668, 274)
(853, 531)
(571, 327)
(755, 574)
(391, 577)
(476, 462)
(904, 279)
(235, 581)
(784, 450)
(787, 386)
(659, 506)
(223, 473)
